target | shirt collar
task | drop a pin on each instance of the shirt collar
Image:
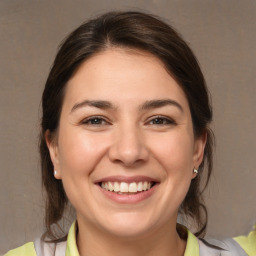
(71, 249)
(192, 247)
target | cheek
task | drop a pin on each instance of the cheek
(174, 151)
(79, 151)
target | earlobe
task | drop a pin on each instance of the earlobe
(53, 151)
(195, 172)
(199, 152)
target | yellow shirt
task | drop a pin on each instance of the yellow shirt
(248, 243)
(27, 249)
(192, 247)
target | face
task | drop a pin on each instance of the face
(125, 148)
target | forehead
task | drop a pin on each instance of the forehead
(123, 75)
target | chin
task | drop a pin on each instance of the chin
(128, 225)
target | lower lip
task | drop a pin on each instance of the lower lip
(131, 198)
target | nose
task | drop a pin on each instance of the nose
(128, 147)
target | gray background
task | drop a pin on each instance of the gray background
(221, 32)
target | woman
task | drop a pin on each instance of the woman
(125, 139)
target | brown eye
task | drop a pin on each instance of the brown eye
(161, 121)
(94, 121)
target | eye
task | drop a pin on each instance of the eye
(94, 121)
(159, 120)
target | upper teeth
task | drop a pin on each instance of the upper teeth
(124, 187)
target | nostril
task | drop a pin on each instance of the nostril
(129, 162)
(128, 150)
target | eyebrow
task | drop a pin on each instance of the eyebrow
(151, 104)
(101, 104)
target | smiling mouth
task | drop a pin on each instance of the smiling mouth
(124, 188)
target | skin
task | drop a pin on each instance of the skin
(126, 140)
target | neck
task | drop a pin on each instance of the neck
(162, 242)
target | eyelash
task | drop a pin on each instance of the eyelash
(163, 120)
(89, 120)
(157, 120)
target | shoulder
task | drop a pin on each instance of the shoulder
(248, 243)
(225, 247)
(213, 247)
(40, 248)
(27, 249)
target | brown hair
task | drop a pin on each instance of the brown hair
(134, 30)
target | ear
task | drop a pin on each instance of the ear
(198, 155)
(54, 154)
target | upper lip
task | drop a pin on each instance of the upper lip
(126, 179)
